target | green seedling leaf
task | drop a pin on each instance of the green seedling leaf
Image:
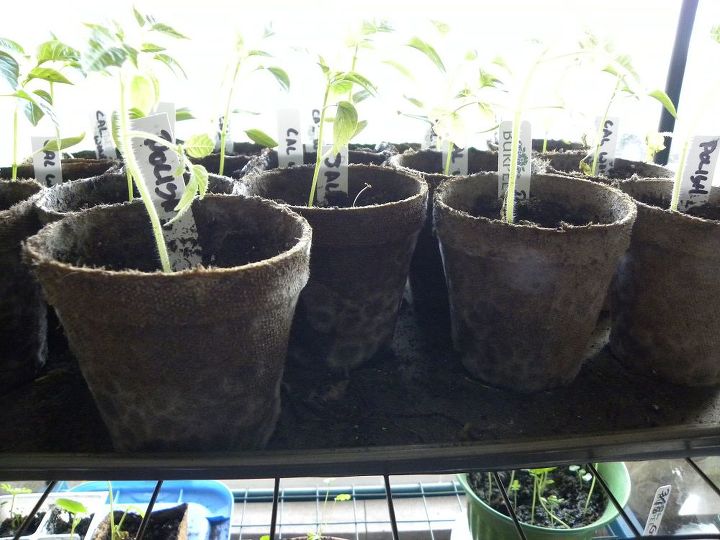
(715, 33)
(201, 174)
(167, 30)
(260, 137)
(419, 104)
(66, 142)
(341, 86)
(360, 96)
(265, 537)
(11, 47)
(355, 78)
(134, 113)
(373, 27)
(9, 69)
(186, 200)
(541, 470)
(47, 74)
(171, 63)
(665, 100)
(139, 17)
(362, 124)
(343, 497)
(183, 113)
(142, 94)
(441, 27)
(256, 52)
(69, 505)
(471, 55)
(585, 168)
(399, 68)
(56, 51)
(587, 477)
(199, 146)
(574, 468)
(323, 65)
(344, 125)
(44, 95)
(151, 48)
(103, 51)
(488, 80)
(12, 490)
(515, 486)
(35, 109)
(280, 76)
(427, 50)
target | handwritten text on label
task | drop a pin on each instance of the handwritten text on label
(104, 146)
(47, 163)
(290, 147)
(660, 501)
(333, 176)
(697, 175)
(608, 145)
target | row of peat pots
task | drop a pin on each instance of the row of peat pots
(163, 353)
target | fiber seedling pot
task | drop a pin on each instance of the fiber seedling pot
(624, 169)
(110, 188)
(427, 280)
(665, 297)
(359, 263)
(72, 168)
(23, 343)
(524, 299)
(234, 162)
(185, 360)
(551, 145)
(487, 523)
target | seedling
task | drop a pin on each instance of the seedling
(626, 83)
(21, 71)
(15, 517)
(139, 90)
(246, 57)
(345, 124)
(75, 509)
(446, 117)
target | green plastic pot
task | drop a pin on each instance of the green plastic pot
(487, 523)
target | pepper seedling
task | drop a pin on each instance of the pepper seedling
(465, 88)
(21, 71)
(76, 511)
(245, 56)
(138, 94)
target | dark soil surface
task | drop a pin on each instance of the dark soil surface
(416, 393)
(60, 522)
(546, 214)
(704, 211)
(7, 528)
(163, 524)
(570, 491)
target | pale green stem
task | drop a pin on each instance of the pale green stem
(128, 174)
(553, 516)
(517, 117)
(226, 119)
(544, 144)
(57, 127)
(601, 128)
(319, 156)
(589, 496)
(532, 510)
(113, 533)
(352, 68)
(448, 159)
(15, 143)
(133, 168)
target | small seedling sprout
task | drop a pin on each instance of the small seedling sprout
(75, 509)
(16, 517)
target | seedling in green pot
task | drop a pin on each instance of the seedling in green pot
(249, 60)
(110, 54)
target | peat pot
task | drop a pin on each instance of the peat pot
(359, 263)
(665, 297)
(184, 360)
(624, 169)
(426, 278)
(487, 523)
(525, 297)
(23, 343)
(72, 168)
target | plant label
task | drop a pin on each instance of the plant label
(228, 138)
(333, 176)
(312, 132)
(48, 169)
(290, 146)
(161, 174)
(102, 137)
(524, 169)
(608, 145)
(458, 160)
(169, 109)
(430, 140)
(697, 175)
(657, 509)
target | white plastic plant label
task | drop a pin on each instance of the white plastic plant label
(169, 109)
(430, 140)
(312, 131)
(608, 145)
(102, 137)
(159, 170)
(697, 175)
(47, 165)
(657, 509)
(218, 136)
(290, 146)
(458, 160)
(333, 176)
(524, 166)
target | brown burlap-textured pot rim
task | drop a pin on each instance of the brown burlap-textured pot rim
(35, 254)
(627, 216)
(679, 217)
(4, 212)
(322, 210)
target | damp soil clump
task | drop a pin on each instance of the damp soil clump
(60, 522)
(162, 525)
(570, 507)
(535, 212)
(9, 526)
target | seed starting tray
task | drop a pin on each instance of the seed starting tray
(411, 410)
